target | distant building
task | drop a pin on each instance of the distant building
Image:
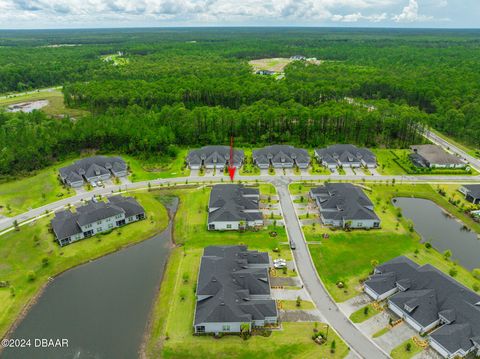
(471, 192)
(346, 156)
(298, 58)
(233, 207)
(344, 205)
(265, 72)
(430, 302)
(95, 217)
(93, 169)
(233, 289)
(281, 156)
(433, 156)
(212, 157)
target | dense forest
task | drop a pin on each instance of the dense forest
(187, 87)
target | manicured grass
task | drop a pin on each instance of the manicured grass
(347, 256)
(386, 161)
(23, 252)
(401, 351)
(363, 314)
(248, 168)
(381, 332)
(292, 305)
(174, 309)
(17, 196)
(164, 167)
(55, 107)
(317, 168)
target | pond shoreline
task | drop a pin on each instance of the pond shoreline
(41, 291)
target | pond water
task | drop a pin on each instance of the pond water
(101, 307)
(442, 231)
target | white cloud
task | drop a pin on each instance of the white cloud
(225, 12)
(410, 14)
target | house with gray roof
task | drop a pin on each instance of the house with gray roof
(93, 169)
(281, 156)
(233, 289)
(345, 156)
(430, 302)
(95, 217)
(233, 207)
(471, 192)
(433, 156)
(212, 157)
(344, 205)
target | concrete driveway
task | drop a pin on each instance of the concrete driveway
(428, 353)
(396, 336)
(374, 324)
(290, 294)
(349, 171)
(353, 304)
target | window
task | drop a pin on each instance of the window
(226, 328)
(376, 224)
(229, 226)
(200, 329)
(99, 222)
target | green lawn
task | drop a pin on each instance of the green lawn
(174, 309)
(292, 305)
(23, 252)
(248, 168)
(401, 351)
(381, 332)
(316, 168)
(55, 107)
(146, 170)
(363, 314)
(347, 256)
(17, 196)
(386, 161)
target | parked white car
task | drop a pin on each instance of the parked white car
(279, 263)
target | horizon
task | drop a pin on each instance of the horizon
(100, 14)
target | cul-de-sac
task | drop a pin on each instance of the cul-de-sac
(240, 193)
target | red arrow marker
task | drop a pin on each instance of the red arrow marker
(231, 172)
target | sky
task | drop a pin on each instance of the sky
(31, 14)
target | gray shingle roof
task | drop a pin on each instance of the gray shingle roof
(281, 154)
(434, 154)
(473, 190)
(432, 293)
(210, 155)
(345, 154)
(230, 279)
(67, 223)
(343, 201)
(230, 202)
(92, 166)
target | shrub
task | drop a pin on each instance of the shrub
(408, 347)
(428, 245)
(332, 347)
(31, 276)
(45, 261)
(453, 272)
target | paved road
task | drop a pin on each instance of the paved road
(35, 212)
(325, 304)
(474, 162)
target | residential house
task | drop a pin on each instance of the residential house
(265, 72)
(95, 217)
(344, 205)
(93, 169)
(212, 157)
(281, 156)
(346, 156)
(233, 291)
(471, 192)
(430, 302)
(233, 207)
(433, 156)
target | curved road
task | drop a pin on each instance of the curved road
(325, 304)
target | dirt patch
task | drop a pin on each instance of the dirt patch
(300, 316)
(276, 64)
(282, 281)
(27, 106)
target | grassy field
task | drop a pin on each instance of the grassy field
(146, 170)
(292, 305)
(32, 251)
(401, 351)
(363, 314)
(55, 107)
(248, 168)
(171, 329)
(386, 163)
(272, 64)
(17, 196)
(348, 257)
